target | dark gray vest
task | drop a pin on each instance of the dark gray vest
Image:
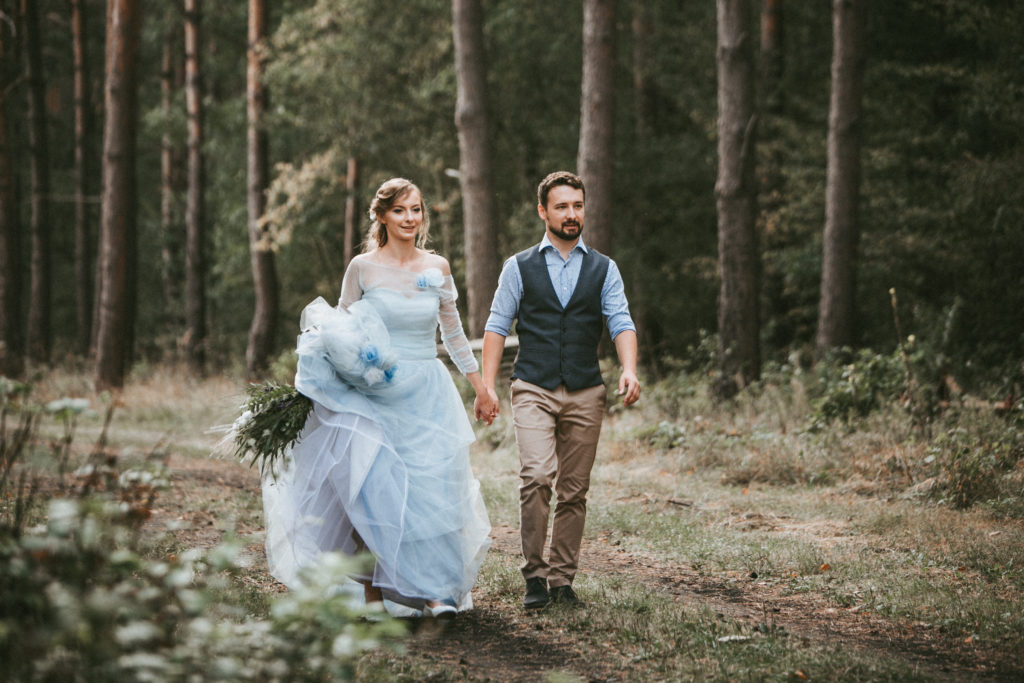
(556, 345)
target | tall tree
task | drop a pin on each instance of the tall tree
(352, 209)
(772, 53)
(641, 28)
(475, 162)
(12, 338)
(597, 115)
(119, 206)
(264, 269)
(195, 237)
(836, 308)
(736, 200)
(171, 79)
(40, 335)
(84, 180)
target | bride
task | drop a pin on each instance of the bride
(382, 464)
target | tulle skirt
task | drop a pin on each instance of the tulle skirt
(387, 465)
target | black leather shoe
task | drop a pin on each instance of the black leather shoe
(536, 593)
(564, 595)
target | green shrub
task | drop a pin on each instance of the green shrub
(80, 600)
(854, 384)
(972, 464)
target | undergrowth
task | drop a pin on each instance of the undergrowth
(81, 598)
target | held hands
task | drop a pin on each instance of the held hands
(485, 407)
(629, 388)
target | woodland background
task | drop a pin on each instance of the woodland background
(817, 210)
(351, 86)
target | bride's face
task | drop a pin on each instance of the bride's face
(404, 219)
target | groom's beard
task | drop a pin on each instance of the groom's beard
(568, 230)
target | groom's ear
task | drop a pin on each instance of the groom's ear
(542, 212)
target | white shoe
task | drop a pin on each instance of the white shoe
(401, 611)
(441, 611)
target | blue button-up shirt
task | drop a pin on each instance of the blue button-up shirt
(564, 275)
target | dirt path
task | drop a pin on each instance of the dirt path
(500, 642)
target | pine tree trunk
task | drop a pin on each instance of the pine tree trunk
(119, 201)
(195, 250)
(772, 53)
(12, 338)
(476, 175)
(40, 334)
(171, 223)
(264, 271)
(597, 115)
(84, 185)
(736, 201)
(351, 209)
(641, 28)
(836, 308)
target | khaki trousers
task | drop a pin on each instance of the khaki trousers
(557, 433)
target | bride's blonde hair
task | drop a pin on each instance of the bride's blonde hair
(386, 196)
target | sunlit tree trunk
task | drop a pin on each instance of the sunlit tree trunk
(40, 334)
(597, 114)
(84, 183)
(836, 308)
(119, 202)
(264, 270)
(12, 338)
(736, 200)
(195, 249)
(476, 175)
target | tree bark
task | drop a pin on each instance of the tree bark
(119, 202)
(736, 200)
(40, 334)
(195, 266)
(12, 338)
(836, 308)
(772, 53)
(476, 175)
(351, 209)
(264, 270)
(84, 185)
(594, 159)
(171, 225)
(641, 28)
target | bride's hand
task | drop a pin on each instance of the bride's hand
(485, 407)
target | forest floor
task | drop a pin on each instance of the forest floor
(500, 641)
(711, 551)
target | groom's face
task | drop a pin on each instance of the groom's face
(563, 214)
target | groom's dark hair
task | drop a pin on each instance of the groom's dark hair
(554, 180)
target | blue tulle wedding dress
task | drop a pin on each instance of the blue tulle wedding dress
(384, 456)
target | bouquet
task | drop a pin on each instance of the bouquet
(271, 421)
(351, 347)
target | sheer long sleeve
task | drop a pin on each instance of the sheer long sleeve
(452, 335)
(351, 286)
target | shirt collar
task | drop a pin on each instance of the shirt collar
(545, 242)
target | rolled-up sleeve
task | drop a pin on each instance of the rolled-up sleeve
(614, 305)
(505, 305)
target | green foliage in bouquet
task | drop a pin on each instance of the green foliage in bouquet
(271, 421)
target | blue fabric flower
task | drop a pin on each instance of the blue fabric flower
(431, 277)
(369, 354)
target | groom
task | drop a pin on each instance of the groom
(560, 292)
